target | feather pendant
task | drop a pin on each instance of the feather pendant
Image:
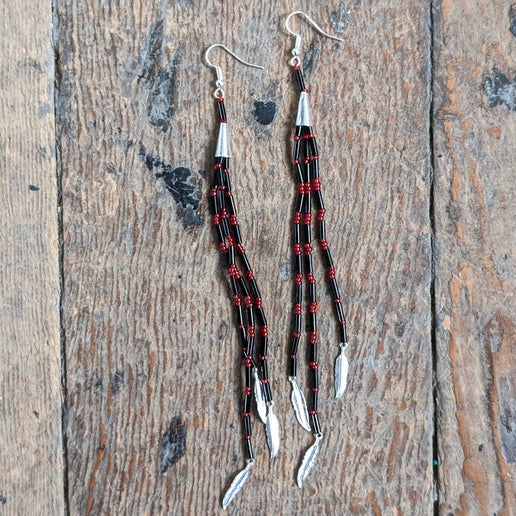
(272, 432)
(236, 485)
(341, 372)
(299, 404)
(308, 461)
(261, 407)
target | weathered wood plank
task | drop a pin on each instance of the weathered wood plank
(475, 151)
(31, 466)
(153, 360)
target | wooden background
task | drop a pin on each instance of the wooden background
(120, 373)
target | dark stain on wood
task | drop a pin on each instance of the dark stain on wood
(507, 422)
(512, 19)
(172, 444)
(341, 18)
(151, 53)
(264, 112)
(34, 188)
(180, 183)
(117, 380)
(499, 90)
(161, 80)
(161, 100)
(311, 55)
(3, 500)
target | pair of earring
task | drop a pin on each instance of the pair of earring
(247, 300)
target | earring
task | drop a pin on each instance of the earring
(247, 299)
(305, 163)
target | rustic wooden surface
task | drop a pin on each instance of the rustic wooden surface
(31, 447)
(151, 363)
(475, 222)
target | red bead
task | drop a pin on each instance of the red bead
(240, 248)
(324, 244)
(315, 182)
(311, 278)
(297, 249)
(297, 308)
(250, 275)
(247, 437)
(299, 279)
(297, 138)
(297, 217)
(313, 338)
(320, 214)
(216, 219)
(217, 166)
(233, 219)
(265, 381)
(313, 412)
(247, 391)
(313, 365)
(237, 300)
(293, 357)
(313, 307)
(297, 334)
(315, 389)
(248, 302)
(331, 273)
(251, 332)
(264, 331)
(308, 249)
(258, 303)
(245, 414)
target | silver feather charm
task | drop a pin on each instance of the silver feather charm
(261, 407)
(272, 431)
(308, 461)
(299, 404)
(236, 485)
(341, 372)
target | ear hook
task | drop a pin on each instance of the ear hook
(296, 51)
(219, 92)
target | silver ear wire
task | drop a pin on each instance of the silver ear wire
(219, 92)
(296, 51)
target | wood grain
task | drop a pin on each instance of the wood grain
(474, 134)
(31, 465)
(152, 354)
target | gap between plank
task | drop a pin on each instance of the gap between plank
(433, 305)
(59, 215)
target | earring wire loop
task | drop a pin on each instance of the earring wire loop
(296, 51)
(219, 92)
